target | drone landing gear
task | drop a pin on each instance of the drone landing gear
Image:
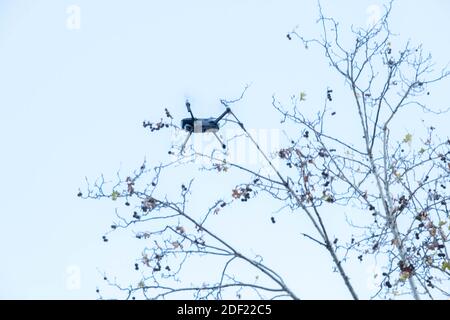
(185, 141)
(201, 125)
(224, 146)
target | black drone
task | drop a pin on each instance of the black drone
(201, 125)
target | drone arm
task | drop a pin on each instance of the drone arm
(227, 111)
(188, 106)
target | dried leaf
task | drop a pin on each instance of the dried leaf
(181, 229)
(145, 260)
(407, 138)
(236, 194)
(149, 204)
(175, 244)
(404, 275)
(168, 115)
(302, 96)
(395, 242)
(115, 195)
(445, 265)
(432, 231)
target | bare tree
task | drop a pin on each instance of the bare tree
(401, 183)
(404, 189)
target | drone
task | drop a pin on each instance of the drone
(201, 125)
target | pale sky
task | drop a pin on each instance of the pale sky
(72, 101)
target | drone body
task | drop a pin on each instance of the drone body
(201, 125)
